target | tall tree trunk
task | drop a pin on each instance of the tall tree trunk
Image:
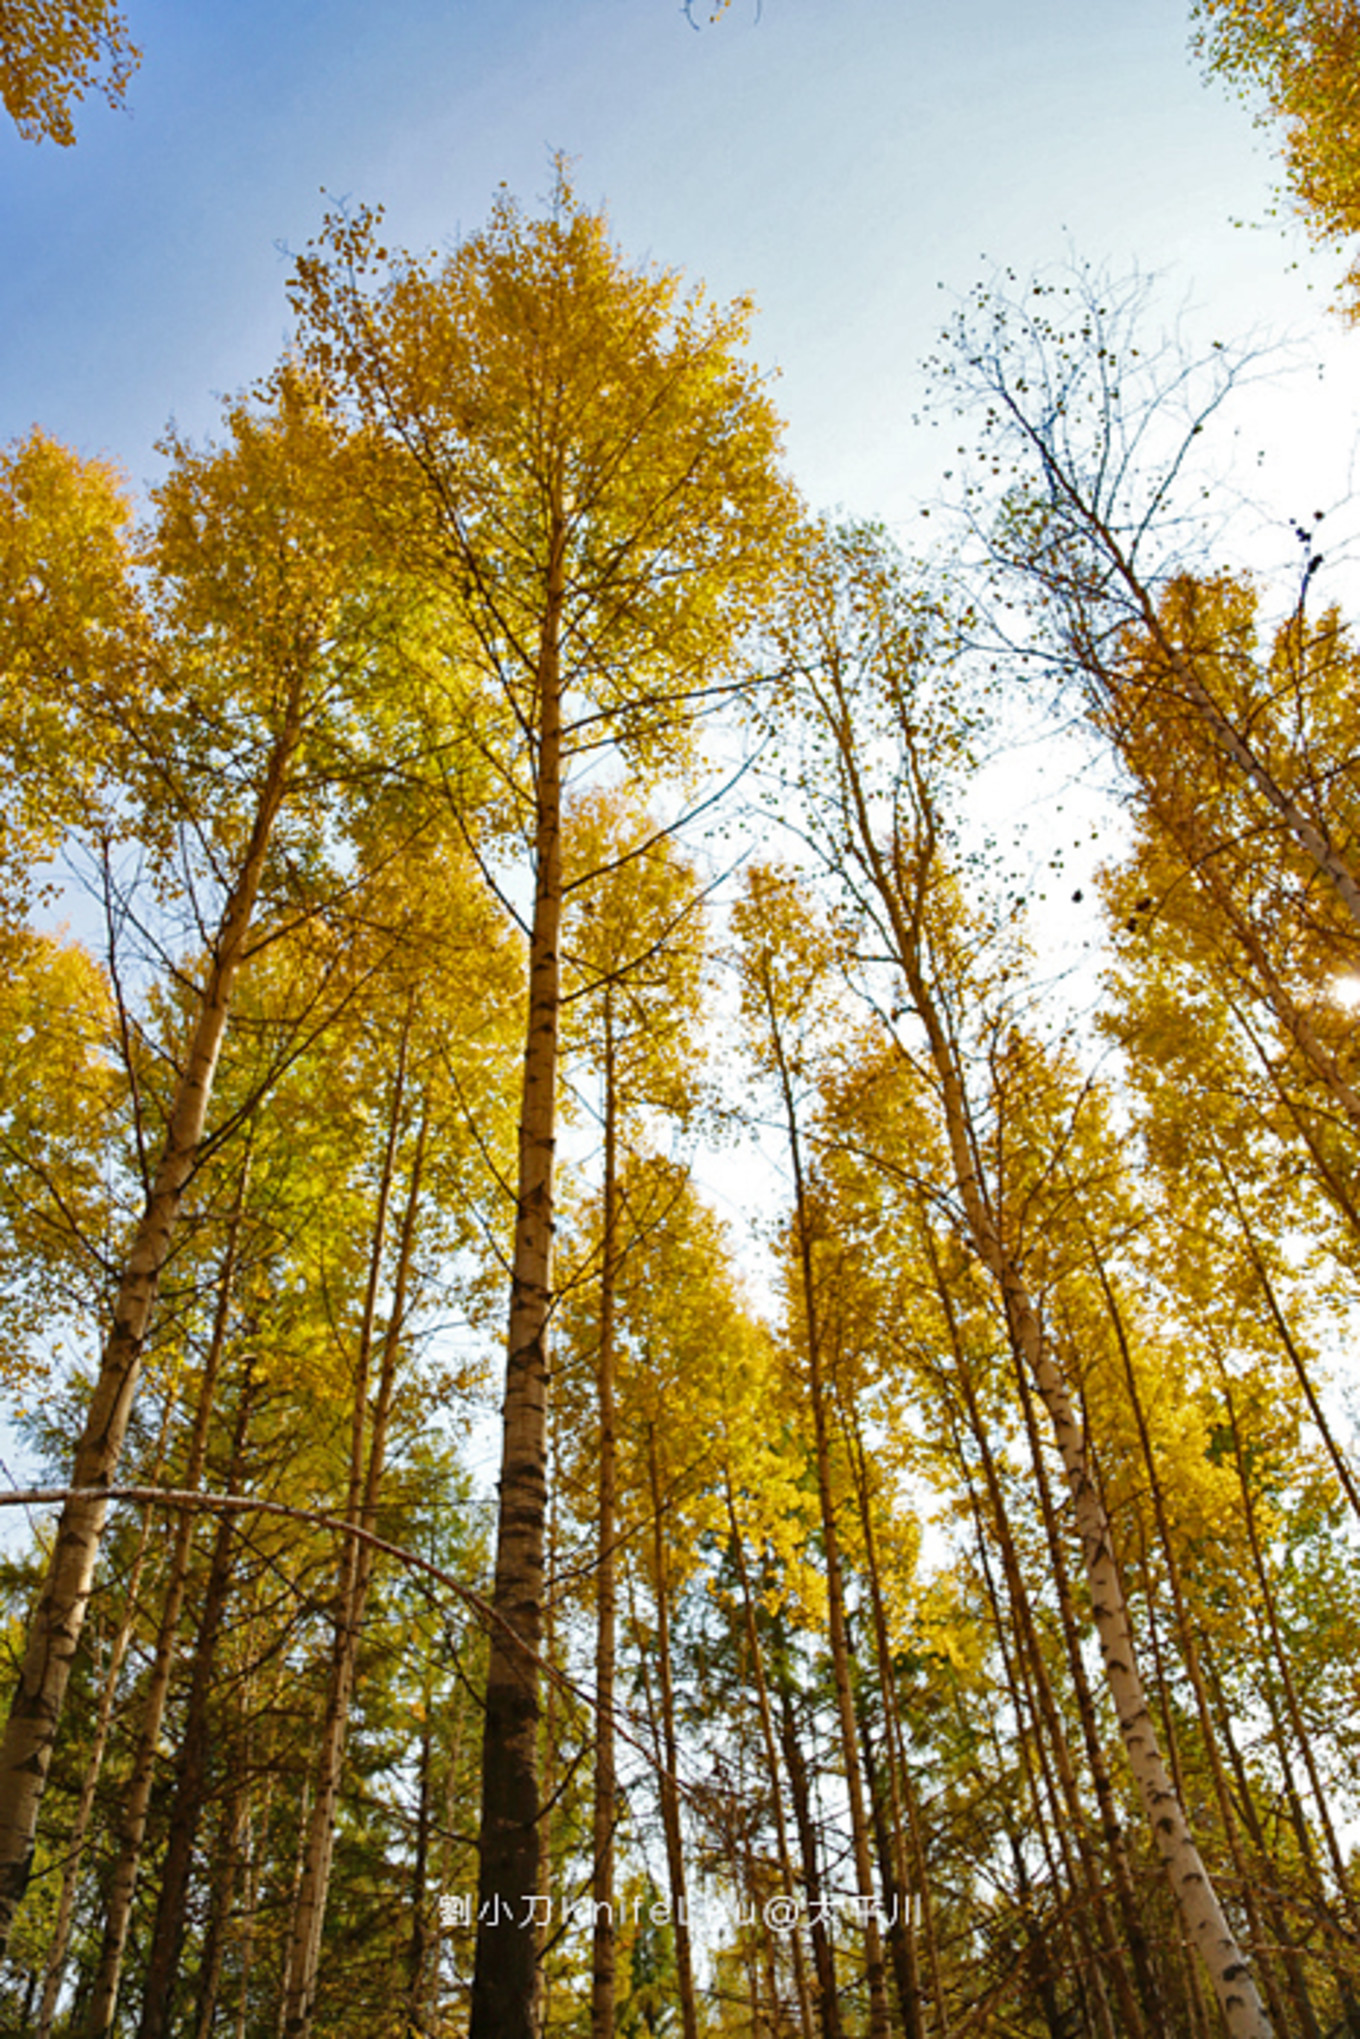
(506, 1972)
(356, 1573)
(771, 1758)
(191, 1766)
(61, 1931)
(605, 1811)
(418, 1946)
(823, 1952)
(1187, 1632)
(896, 1890)
(552, 1768)
(1197, 1900)
(135, 1800)
(835, 1586)
(670, 1770)
(54, 1638)
(224, 1884)
(1056, 1952)
(256, 1823)
(1089, 1909)
(454, 1790)
(1205, 1919)
(885, 1802)
(294, 1892)
(1201, 2018)
(1148, 2007)
(1040, 1961)
(1264, 1871)
(255, 1811)
(902, 1793)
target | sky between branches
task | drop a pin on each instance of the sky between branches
(839, 161)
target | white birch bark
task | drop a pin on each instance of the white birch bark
(1202, 1915)
(900, 878)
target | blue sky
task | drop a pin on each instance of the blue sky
(840, 160)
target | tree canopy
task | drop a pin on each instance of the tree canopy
(54, 52)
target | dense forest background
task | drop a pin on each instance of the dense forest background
(464, 807)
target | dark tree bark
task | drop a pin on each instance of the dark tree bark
(507, 1981)
(191, 1764)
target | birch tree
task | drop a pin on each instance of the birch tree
(252, 565)
(884, 744)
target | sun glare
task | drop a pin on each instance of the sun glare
(1346, 992)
